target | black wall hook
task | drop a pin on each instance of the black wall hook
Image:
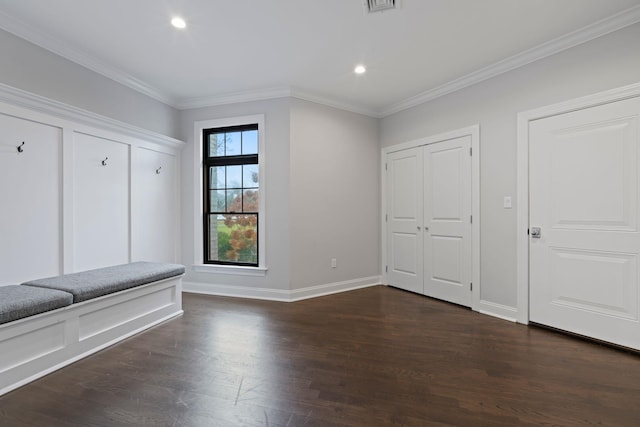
(19, 147)
(158, 170)
(104, 162)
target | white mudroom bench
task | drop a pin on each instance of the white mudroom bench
(46, 324)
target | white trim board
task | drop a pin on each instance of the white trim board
(30, 101)
(282, 295)
(474, 132)
(524, 118)
(500, 311)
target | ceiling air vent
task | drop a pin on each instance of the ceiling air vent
(371, 6)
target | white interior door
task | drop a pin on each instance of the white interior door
(404, 219)
(584, 183)
(447, 220)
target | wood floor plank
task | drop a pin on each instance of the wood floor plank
(373, 357)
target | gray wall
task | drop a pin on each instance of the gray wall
(308, 201)
(608, 62)
(277, 128)
(322, 194)
(34, 69)
(335, 195)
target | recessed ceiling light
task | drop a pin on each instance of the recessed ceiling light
(360, 69)
(178, 22)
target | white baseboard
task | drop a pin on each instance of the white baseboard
(279, 294)
(334, 288)
(485, 307)
(500, 311)
(235, 291)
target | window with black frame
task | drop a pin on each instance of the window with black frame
(231, 191)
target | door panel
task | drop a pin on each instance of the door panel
(598, 192)
(447, 220)
(579, 276)
(584, 196)
(447, 253)
(404, 219)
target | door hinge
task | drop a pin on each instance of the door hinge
(386, 268)
(471, 219)
(471, 286)
(470, 151)
(386, 167)
(386, 217)
(527, 231)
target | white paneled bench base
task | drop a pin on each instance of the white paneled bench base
(34, 346)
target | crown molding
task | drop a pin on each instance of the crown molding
(597, 29)
(233, 98)
(46, 41)
(272, 93)
(31, 101)
(613, 23)
(308, 96)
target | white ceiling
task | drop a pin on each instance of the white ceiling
(235, 50)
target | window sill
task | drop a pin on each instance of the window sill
(231, 270)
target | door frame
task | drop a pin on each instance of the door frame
(522, 193)
(474, 132)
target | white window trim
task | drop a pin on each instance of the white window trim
(198, 232)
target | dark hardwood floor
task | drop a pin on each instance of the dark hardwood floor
(373, 357)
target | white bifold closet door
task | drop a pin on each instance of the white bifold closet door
(447, 220)
(584, 210)
(429, 220)
(404, 219)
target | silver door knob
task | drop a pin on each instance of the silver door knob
(535, 232)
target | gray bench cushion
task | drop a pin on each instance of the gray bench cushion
(17, 302)
(95, 283)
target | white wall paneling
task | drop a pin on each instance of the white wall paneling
(154, 220)
(101, 202)
(30, 192)
(62, 210)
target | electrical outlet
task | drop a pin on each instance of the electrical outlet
(334, 263)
